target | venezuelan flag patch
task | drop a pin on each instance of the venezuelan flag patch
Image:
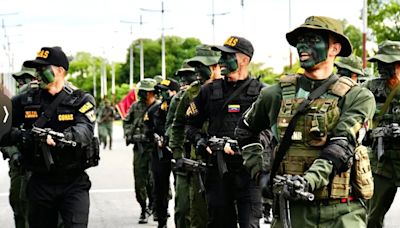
(233, 108)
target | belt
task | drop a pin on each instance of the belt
(327, 202)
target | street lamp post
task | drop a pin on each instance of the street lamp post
(213, 19)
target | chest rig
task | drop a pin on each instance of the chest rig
(381, 93)
(312, 130)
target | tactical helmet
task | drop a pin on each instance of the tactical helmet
(352, 63)
(388, 52)
(147, 84)
(204, 55)
(322, 23)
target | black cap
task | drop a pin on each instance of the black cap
(49, 56)
(168, 84)
(236, 44)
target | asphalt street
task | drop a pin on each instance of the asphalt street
(112, 197)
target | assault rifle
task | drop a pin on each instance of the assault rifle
(391, 130)
(283, 189)
(217, 146)
(189, 165)
(41, 135)
(160, 145)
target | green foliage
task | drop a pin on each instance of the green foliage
(177, 49)
(266, 74)
(384, 19)
(355, 36)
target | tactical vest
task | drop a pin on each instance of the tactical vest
(234, 109)
(312, 131)
(65, 158)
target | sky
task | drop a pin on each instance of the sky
(95, 25)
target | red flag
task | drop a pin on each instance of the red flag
(124, 105)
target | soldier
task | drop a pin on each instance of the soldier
(384, 159)
(155, 119)
(26, 79)
(56, 156)
(142, 148)
(191, 202)
(350, 67)
(231, 195)
(320, 145)
(106, 118)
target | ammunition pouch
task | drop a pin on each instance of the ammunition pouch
(362, 180)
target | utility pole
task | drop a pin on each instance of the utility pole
(141, 51)
(364, 35)
(213, 19)
(163, 67)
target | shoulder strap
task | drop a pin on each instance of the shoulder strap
(287, 137)
(48, 113)
(221, 114)
(342, 86)
(388, 100)
(288, 85)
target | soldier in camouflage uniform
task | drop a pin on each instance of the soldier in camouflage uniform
(385, 158)
(26, 80)
(190, 205)
(142, 147)
(350, 67)
(323, 141)
(105, 121)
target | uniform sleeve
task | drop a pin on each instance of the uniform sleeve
(177, 134)
(196, 116)
(127, 122)
(171, 113)
(357, 110)
(83, 127)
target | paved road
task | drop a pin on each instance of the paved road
(113, 203)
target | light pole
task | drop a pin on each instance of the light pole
(290, 27)
(163, 67)
(364, 35)
(213, 19)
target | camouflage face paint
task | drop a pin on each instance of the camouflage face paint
(312, 49)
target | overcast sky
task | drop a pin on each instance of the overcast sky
(94, 25)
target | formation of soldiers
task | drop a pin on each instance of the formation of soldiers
(319, 147)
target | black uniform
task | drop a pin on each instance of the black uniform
(155, 120)
(235, 186)
(64, 188)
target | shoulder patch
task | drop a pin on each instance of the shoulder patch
(192, 110)
(342, 86)
(86, 107)
(146, 117)
(91, 115)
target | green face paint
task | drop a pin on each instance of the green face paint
(312, 49)
(203, 71)
(45, 76)
(228, 63)
(386, 70)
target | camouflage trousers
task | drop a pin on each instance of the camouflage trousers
(18, 201)
(143, 176)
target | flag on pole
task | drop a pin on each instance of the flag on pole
(124, 105)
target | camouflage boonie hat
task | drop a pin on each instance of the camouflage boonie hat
(147, 84)
(323, 24)
(25, 71)
(204, 55)
(185, 69)
(352, 63)
(158, 78)
(388, 52)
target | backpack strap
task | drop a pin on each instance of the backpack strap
(342, 86)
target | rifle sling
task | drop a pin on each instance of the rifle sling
(48, 113)
(286, 142)
(386, 104)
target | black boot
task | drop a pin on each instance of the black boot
(143, 217)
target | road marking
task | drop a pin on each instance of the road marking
(5, 194)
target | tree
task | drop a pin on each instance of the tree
(177, 49)
(384, 19)
(355, 36)
(266, 75)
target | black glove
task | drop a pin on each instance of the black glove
(299, 185)
(265, 187)
(68, 135)
(201, 146)
(20, 135)
(340, 153)
(395, 130)
(16, 159)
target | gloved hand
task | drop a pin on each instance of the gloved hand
(68, 134)
(297, 187)
(201, 146)
(20, 135)
(264, 183)
(16, 159)
(395, 129)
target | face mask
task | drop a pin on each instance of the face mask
(142, 95)
(386, 70)
(344, 72)
(312, 49)
(203, 71)
(228, 63)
